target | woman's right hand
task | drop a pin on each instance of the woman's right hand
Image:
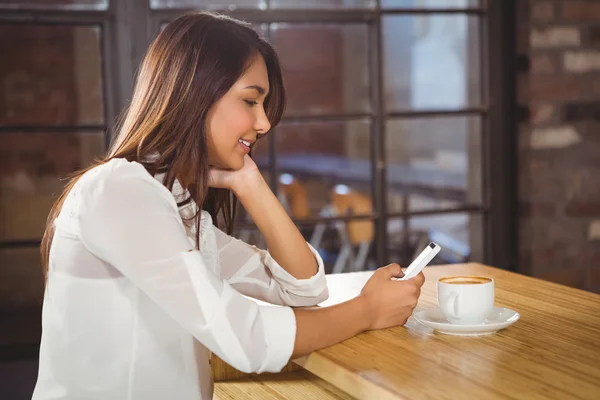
(391, 302)
(382, 303)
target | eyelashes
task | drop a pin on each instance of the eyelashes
(251, 103)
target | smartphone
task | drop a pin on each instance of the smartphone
(421, 261)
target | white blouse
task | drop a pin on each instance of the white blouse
(132, 309)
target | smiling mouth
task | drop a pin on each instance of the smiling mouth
(245, 145)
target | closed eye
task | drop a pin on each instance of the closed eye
(251, 103)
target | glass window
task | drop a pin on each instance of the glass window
(262, 4)
(21, 279)
(451, 231)
(52, 77)
(230, 4)
(433, 162)
(261, 150)
(344, 245)
(325, 168)
(431, 62)
(261, 29)
(322, 3)
(21, 291)
(325, 67)
(32, 166)
(56, 4)
(430, 3)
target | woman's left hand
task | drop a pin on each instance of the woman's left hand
(234, 180)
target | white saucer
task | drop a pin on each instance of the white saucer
(499, 319)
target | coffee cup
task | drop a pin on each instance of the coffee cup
(466, 300)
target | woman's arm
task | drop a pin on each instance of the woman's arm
(253, 272)
(284, 241)
(317, 328)
(382, 303)
(131, 221)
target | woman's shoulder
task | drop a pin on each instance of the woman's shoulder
(116, 170)
(120, 178)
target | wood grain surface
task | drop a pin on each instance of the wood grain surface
(299, 385)
(552, 352)
(224, 372)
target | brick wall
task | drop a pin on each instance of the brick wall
(559, 144)
(49, 77)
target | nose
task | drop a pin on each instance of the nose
(262, 124)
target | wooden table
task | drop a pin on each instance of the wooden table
(552, 352)
(300, 385)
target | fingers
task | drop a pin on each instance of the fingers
(419, 279)
(392, 271)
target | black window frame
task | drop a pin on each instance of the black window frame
(129, 26)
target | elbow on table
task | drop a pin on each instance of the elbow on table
(257, 365)
(321, 297)
(307, 300)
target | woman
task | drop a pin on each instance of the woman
(141, 285)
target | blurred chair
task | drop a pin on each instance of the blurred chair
(346, 201)
(293, 196)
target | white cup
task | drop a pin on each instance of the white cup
(466, 300)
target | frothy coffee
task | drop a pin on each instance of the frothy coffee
(465, 280)
(466, 299)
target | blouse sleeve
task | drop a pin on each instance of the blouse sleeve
(253, 272)
(131, 221)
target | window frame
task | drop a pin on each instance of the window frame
(129, 26)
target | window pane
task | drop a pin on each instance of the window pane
(325, 67)
(31, 166)
(21, 279)
(208, 3)
(345, 246)
(57, 4)
(261, 153)
(430, 3)
(431, 62)
(21, 291)
(52, 77)
(322, 3)
(324, 168)
(433, 162)
(261, 29)
(451, 231)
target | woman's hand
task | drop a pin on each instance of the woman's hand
(235, 181)
(391, 302)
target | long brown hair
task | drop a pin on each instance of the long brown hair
(191, 64)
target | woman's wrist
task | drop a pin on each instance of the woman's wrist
(249, 185)
(363, 310)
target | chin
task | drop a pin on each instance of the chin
(233, 163)
(236, 164)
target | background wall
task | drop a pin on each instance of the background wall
(49, 81)
(559, 145)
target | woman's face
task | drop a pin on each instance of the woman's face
(236, 120)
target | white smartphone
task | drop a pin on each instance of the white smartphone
(421, 261)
